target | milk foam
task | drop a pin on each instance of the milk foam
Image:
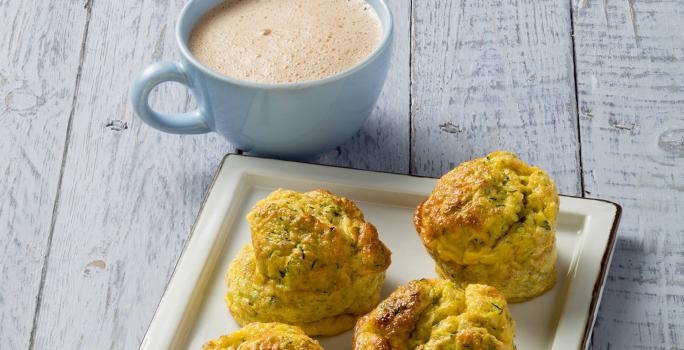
(284, 41)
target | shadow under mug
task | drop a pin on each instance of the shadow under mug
(293, 120)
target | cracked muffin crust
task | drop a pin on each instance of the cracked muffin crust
(314, 262)
(492, 220)
(434, 314)
(264, 336)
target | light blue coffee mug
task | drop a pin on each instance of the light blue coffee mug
(293, 120)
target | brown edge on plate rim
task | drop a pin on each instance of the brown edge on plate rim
(596, 292)
(603, 273)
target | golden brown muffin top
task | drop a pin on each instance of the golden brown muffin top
(475, 211)
(264, 336)
(431, 314)
(314, 241)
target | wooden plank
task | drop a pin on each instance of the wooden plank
(491, 75)
(630, 72)
(383, 143)
(130, 193)
(39, 51)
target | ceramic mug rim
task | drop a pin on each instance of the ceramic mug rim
(185, 51)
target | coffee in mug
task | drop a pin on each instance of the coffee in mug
(285, 41)
(278, 78)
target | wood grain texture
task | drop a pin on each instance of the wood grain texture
(484, 75)
(631, 99)
(130, 193)
(490, 75)
(39, 60)
(383, 142)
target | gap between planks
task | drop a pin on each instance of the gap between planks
(577, 111)
(411, 134)
(88, 8)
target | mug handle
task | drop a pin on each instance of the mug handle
(193, 122)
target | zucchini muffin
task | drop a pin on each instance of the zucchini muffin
(434, 314)
(492, 220)
(255, 336)
(314, 262)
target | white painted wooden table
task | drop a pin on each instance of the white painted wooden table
(95, 205)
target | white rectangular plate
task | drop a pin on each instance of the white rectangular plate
(192, 310)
